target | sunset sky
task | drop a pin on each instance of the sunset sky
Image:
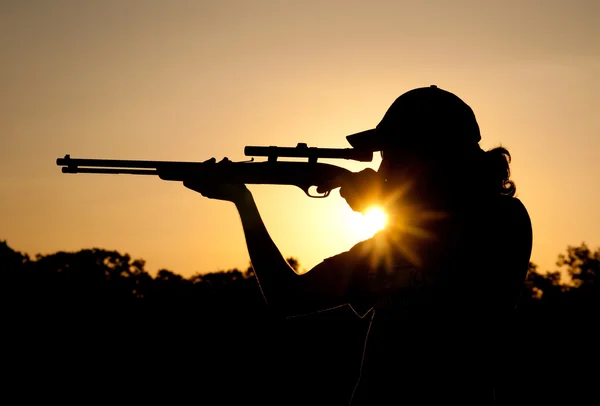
(190, 80)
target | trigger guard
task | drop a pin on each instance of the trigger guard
(307, 191)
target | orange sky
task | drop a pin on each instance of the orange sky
(191, 80)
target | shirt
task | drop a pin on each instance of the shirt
(438, 301)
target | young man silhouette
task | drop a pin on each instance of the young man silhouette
(440, 281)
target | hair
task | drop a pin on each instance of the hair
(491, 171)
(478, 172)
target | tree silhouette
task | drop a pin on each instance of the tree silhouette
(541, 289)
(583, 266)
(74, 311)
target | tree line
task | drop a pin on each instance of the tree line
(99, 319)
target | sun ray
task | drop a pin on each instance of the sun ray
(366, 225)
(400, 231)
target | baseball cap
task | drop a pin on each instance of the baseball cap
(423, 117)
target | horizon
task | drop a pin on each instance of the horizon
(187, 81)
(565, 278)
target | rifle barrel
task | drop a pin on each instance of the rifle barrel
(127, 171)
(108, 163)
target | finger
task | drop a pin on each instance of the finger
(328, 185)
(345, 193)
(224, 160)
(350, 191)
(323, 188)
(210, 161)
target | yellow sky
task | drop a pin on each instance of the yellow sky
(191, 80)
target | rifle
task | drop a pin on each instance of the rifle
(272, 172)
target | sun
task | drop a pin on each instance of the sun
(375, 219)
(366, 225)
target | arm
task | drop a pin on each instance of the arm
(286, 292)
(324, 286)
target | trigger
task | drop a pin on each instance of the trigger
(325, 194)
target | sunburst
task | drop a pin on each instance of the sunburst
(365, 225)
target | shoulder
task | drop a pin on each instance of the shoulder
(504, 232)
(372, 254)
(513, 205)
(354, 255)
(501, 214)
(498, 233)
(514, 217)
(519, 225)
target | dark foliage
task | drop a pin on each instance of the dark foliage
(94, 324)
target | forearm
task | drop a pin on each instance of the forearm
(275, 276)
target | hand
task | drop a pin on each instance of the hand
(216, 190)
(360, 189)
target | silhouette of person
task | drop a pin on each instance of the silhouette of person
(439, 283)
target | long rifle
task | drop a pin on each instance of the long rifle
(304, 175)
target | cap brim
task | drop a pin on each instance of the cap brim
(365, 140)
